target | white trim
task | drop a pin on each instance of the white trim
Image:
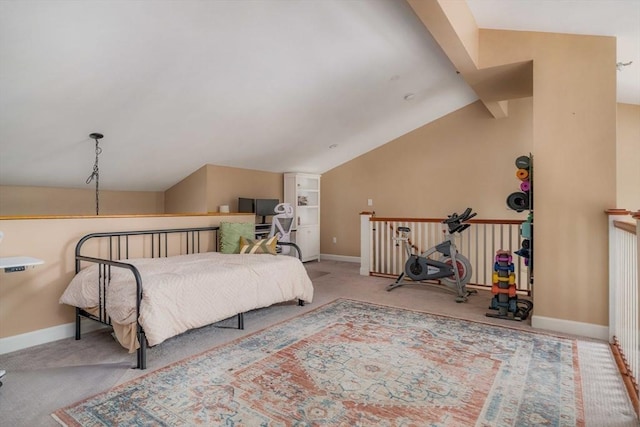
(43, 336)
(572, 327)
(365, 244)
(344, 258)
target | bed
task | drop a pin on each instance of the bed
(155, 284)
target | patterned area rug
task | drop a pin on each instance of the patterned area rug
(350, 363)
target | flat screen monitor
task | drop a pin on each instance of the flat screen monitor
(246, 205)
(266, 207)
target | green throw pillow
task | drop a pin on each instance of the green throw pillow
(230, 233)
(262, 246)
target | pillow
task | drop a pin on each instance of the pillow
(230, 233)
(250, 246)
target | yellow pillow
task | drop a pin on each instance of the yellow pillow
(250, 246)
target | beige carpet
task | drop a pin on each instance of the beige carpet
(42, 379)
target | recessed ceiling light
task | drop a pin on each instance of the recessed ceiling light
(409, 96)
(333, 145)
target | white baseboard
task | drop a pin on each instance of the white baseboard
(572, 327)
(43, 336)
(344, 258)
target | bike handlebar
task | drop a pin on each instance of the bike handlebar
(454, 221)
(464, 216)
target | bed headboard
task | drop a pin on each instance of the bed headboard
(121, 245)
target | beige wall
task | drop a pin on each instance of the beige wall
(628, 157)
(24, 200)
(466, 158)
(570, 127)
(189, 195)
(574, 147)
(203, 191)
(211, 186)
(226, 184)
(29, 299)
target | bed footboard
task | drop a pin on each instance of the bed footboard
(151, 243)
(104, 269)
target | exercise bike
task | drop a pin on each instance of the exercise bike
(421, 267)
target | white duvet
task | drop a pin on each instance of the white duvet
(189, 291)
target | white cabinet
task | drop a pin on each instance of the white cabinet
(302, 191)
(308, 239)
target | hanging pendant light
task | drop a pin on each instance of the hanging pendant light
(96, 172)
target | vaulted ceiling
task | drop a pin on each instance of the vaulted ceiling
(265, 84)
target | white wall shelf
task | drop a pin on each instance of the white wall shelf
(19, 263)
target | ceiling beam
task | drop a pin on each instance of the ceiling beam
(454, 28)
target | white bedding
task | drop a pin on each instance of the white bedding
(189, 291)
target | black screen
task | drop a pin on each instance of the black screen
(265, 207)
(246, 205)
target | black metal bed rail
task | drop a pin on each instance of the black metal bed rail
(293, 245)
(192, 235)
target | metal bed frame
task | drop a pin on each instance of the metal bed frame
(118, 249)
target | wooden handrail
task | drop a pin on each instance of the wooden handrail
(617, 212)
(472, 221)
(627, 377)
(25, 217)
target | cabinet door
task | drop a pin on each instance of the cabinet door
(308, 238)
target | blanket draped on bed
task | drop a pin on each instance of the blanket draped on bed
(190, 291)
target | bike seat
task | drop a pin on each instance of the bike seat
(405, 229)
